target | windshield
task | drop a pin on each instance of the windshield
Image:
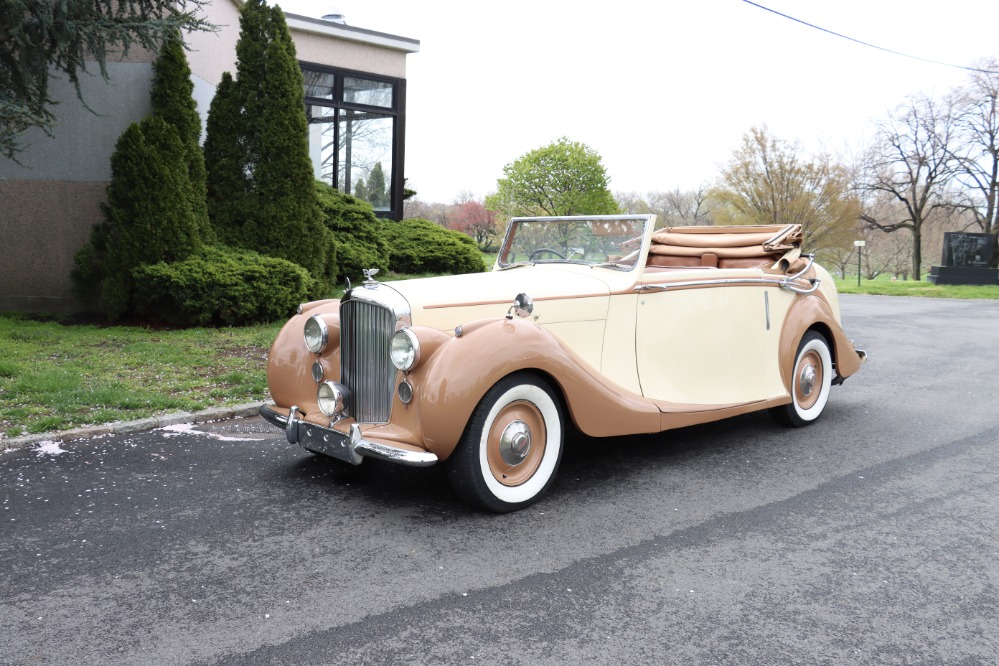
(609, 241)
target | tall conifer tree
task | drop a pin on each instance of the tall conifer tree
(262, 192)
(225, 162)
(173, 100)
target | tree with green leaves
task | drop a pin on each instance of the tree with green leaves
(42, 37)
(173, 101)
(562, 178)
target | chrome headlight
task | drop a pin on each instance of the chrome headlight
(404, 349)
(332, 399)
(317, 334)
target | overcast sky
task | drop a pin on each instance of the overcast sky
(662, 90)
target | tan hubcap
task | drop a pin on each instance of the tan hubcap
(516, 443)
(808, 379)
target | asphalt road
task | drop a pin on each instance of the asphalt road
(871, 537)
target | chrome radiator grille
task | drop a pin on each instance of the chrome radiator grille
(365, 368)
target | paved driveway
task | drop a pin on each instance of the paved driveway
(871, 537)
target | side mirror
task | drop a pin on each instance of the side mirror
(523, 306)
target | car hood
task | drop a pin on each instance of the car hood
(561, 294)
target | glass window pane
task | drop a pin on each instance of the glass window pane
(365, 165)
(322, 141)
(368, 92)
(319, 84)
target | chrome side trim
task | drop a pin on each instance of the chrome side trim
(781, 282)
(351, 448)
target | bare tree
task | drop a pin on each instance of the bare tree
(771, 181)
(632, 203)
(682, 208)
(977, 149)
(912, 162)
(415, 209)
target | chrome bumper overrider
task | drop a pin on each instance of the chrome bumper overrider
(350, 448)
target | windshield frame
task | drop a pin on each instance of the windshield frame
(631, 247)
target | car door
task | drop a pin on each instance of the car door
(702, 344)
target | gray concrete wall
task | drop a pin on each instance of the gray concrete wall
(43, 223)
(82, 142)
(51, 199)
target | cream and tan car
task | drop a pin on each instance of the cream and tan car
(601, 324)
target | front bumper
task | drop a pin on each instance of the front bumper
(350, 447)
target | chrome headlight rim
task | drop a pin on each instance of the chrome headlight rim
(404, 349)
(317, 339)
(332, 399)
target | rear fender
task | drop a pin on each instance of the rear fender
(808, 313)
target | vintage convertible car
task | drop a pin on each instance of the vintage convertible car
(597, 323)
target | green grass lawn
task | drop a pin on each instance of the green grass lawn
(57, 376)
(885, 286)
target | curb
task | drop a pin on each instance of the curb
(131, 427)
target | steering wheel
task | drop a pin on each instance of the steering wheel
(543, 250)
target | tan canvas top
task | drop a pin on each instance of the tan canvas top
(727, 241)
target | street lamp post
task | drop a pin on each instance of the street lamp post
(859, 244)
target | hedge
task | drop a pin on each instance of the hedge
(421, 246)
(220, 286)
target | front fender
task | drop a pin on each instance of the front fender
(469, 364)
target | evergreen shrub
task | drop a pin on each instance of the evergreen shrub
(421, 246)
(220, 286)
(148, 216)
(356, 231)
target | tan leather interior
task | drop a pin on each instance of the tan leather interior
(722, 247)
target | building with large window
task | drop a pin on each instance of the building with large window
(355, 87)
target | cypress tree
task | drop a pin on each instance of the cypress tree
(148, 213)
(173, 100)
(261, 192)
(377, 191)
(225, 163)
(289, 223)
(255, 34)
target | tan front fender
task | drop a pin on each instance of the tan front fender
(468, 365)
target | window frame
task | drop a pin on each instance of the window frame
(397, 113)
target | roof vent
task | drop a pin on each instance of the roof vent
(335, 16)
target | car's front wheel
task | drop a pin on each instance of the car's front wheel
(511, 447)
(810, 382)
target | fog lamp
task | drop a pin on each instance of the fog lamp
(332, 399)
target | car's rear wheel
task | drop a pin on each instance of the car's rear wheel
(811, 380)
(511, 447)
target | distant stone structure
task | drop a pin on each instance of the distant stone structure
(967, 259)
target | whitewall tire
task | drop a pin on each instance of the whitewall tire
(512, 445)
(811, 380)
